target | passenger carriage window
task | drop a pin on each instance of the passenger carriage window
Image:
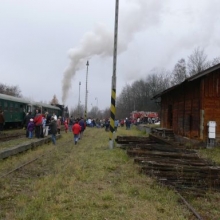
(5, 106)
(21, 108)
(16, 107)
(11, 107)
(1, 108)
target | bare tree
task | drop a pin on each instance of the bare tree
(197, 61)
(125, 102)
(179, 72)
(54, 101)
(158, 80)
(106, 113)
(95, 112)
(139, 95)
(77, 111)
(214, 62)
(10, 90)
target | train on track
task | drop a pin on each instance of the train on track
(14, 109)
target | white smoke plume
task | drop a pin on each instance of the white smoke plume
(94, 43)
(134, 16)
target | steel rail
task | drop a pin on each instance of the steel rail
(195, 213)
(189, 206)
(25, 164)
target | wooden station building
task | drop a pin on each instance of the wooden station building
(187, 108)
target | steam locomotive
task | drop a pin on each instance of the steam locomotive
(14, 109)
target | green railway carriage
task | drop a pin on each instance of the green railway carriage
(13, 109)
(46, 108)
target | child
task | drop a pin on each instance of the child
(76, 131)
(66, 125)
(30, 128)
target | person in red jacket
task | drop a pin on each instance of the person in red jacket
(76, 131)
(38, 120)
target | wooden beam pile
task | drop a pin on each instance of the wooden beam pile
(133, 139)
(177, 167)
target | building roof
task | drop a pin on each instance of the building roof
(40, 104)
(13, 98)
(22, 100)
(191, 78)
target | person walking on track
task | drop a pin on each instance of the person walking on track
(76, 131)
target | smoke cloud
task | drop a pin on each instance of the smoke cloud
(134, 16)
(94, 43)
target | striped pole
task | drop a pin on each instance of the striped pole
(113, 91)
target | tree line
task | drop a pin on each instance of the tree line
(138, 95)
(10, 90)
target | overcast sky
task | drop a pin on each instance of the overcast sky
(44, 44)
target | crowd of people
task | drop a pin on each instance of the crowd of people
(105, 123)
(40, 125)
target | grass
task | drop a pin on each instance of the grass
(212, 154)
(89, 181)
(12, 143)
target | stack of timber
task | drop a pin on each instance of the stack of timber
(132, 139)
(177, 167)
(163, 132)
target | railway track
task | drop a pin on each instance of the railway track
(9, 137)
(20, 167)
(28, 162)
(16, 180)
(13, 181)
(177, 168)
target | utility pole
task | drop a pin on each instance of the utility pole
(97, 101)
(79, 99)
(86, 98)
(113, 90)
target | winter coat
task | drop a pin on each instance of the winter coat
(128, 122)
(71, 121)
(66, 125)
(48, 119)
(58, 123)
(53, 127)
(30, 126)
(82, 125)
(27, 119)
(76, 128)
(38, 119)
